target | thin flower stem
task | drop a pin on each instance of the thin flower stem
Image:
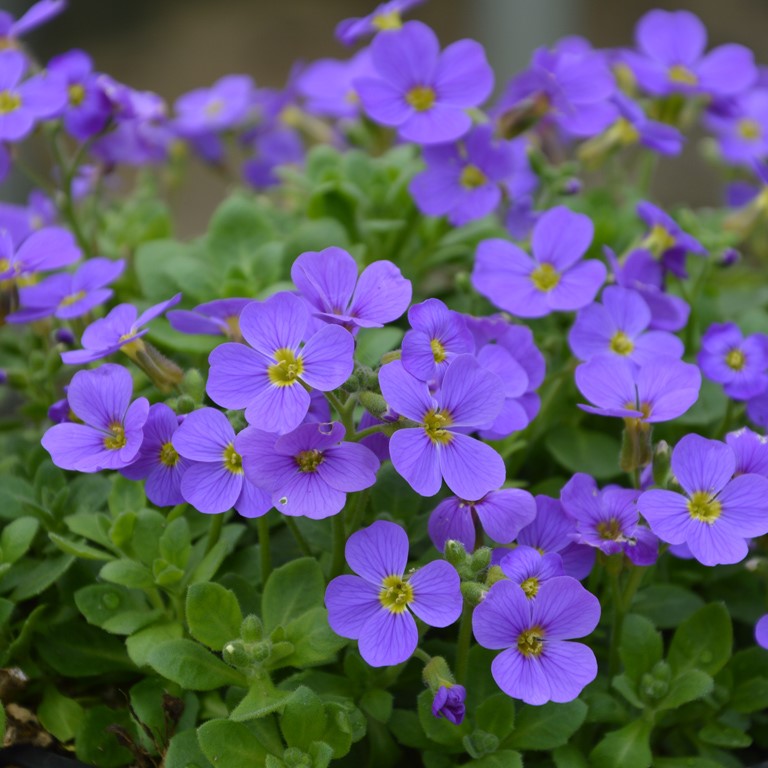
(262, 525)
(617, 624)
(298, 536)
(422, 655)
(345, 411)
(463, 643)
(339, 543)
(374, 430)
(360, 503)
(214, 532)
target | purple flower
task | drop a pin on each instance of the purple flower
(327, 85)
(267, 378)
(633, 126)
(672, 60)
(375, 607)
(667, 240)
(158, 462)
(500, 513)
(40, 13)
(111, 431)
(718, 511)
(328, 280)
(449, 703)
(751, 451)
(529, 568)
(423, 93)
(378, 442)
(385, 17)
(120, 328)
(219, 108)
(437, 449)
(761, 631)
(22, 220)
(220, 317)
(608, 519)
(22, 104)
(739, 364)
(742, 130)
(437, 336)
(46, 249)
(309, 471)
(273, 146)
(663, 389)
(553, 279)
(619, 326)
(464, 181)
(213, 481)
(538, 663)
(68, 295)
(757, 409)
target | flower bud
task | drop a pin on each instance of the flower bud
(251, 630)
(193, 385)
(480, 559)
(374, 403)
(473, 592)
(437, 673)
(662, 460)
(64, 336)
(455, 553)
(636, 449)
(185, 404)
(235, 654)
(449, 703)
(494, 574)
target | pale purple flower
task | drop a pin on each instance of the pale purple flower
(111, 431)
(717, 512)
(220, 317)
(529, 568)
(22, 220)
(219, 108)
(327, 85)
(449, 703)
(750, 450)
(437, 449)
(37, 14)
(667, 239)
(742, 129)
(761, 631)
(385, 17)
(538, 663)
(375, 607)
(44, 250)
(634, 127)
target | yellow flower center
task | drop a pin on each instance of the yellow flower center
(749, 129)
(624, 132)
(680, 74)
(9, 102)
(531, 642)
(72, 298)
(701, 506)
(168, 455)
(233, 461)
(438, 351)
(76, 94)
(309, 461)
(545, 277)
(213, 108)
(421, 98)
(472, 177)
(609, 530)
(116, 440)
(395, 594)
(736, 359)
(389, 20)
(621, 344)
(659, 239)
(435, 423)
(530, 586)
(286, 369)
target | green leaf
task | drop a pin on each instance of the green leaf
(237, 229)
(191, 666)
(666, 605)
(208, 566)
(292, 590)
(641, 646)
(79, 549)
(165, 267)
(569, 756)
(17, 537)
(548, 726)
(127, 573)
(378, 704)
(579, 450)
(688, 686)
(629, 747)
(94, 527)
(227, 744)
(345, 724)
(184, 752)
(372, 343)
(213, 614)
(31, 577)
(145, 537)
(258, 702)
(702, 641)
(721, 735)
(314, 642)
(76, 649)
(113, 608)
(126, 496)
(59, 715)
(303, 720)
(95, 744)
(175, 543)
(6, 609)
(140, 644)
(504, 758)
(628, 689)
(750, 680)
(440, 730)
(496, 715)
(684, 762)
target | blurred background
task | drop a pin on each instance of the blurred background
(176, 45)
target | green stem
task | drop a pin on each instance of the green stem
(214, 532)
(374, 430)
(422, 655)
(361, 501)
(297, 535)
(262, 525)
(463, 643)
(345, 411)
(339, 543)
(725, 424)
(617, 624)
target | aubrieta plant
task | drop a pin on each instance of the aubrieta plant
(442, 445)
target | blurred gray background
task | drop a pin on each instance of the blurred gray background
(172, 46)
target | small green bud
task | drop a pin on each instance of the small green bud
(374, 403)
(494, 574)
(662, 459)
(295, 758)
(185, 404)
(235, 654)
(473, 592)
(388, 357)
(636, 449)
(455, 553)
(481, 743)
(652, 688)
(437, 673)
(262, 650)
(462, 282)
(662, 671)
(251, 630)
(481, 559)
(193, 385)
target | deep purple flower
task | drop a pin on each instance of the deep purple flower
(553, 279)
(529, 568)
(608, 519)
(739, 364)
(375, 607)
(214, 480)
(663, 389)
(437, 449)
(120, 328)
(220, 317)
(718, 511)
(219, 108)
(619, 326)
(667, 240)
(111, 431)
(39, 13)
(422, 92)
(309, 471)
(672, 60)
(273, 146)
(327, 85)
(46, 249)
(68, 295)
(500, 513)
(538, 664)
(22, 104)
(437, 336)
(158, 462)
(328, 280)
(750, 450)
(267, 378)
(761, 631)
(449, 703)
(742, 130)
(385, 17)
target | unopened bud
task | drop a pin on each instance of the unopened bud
(235, 654)
(374, 403)
(455, 553)
(185, 404)
(193, 385)
(473, 592)
(437, 673)
(480, 559)
(251, 630)
(662, 461)
(494, 574)
(64, 336)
